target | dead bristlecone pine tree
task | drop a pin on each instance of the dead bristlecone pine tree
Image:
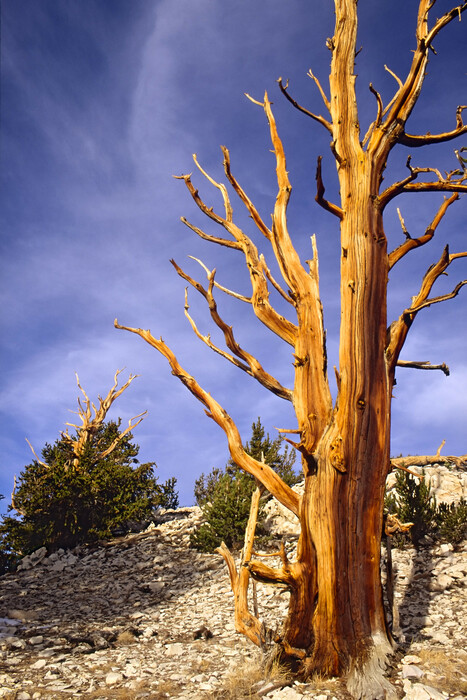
(336, 623)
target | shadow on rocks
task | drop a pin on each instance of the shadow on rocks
(110, 581)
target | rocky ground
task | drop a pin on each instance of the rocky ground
(144, 616)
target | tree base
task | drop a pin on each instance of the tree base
(367, 680)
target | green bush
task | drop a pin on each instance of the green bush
(61, 501)
(225, 495)
(226, 513)
(451, 521)
(412, 503)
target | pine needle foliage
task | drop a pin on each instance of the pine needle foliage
(412, 502)
(225, 494)
(60, 503)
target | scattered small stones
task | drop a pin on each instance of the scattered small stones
(145, 615)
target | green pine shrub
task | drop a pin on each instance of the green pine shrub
(411, 502)
(451, 521)
(61, 501)
(226, 513)
(225, 494)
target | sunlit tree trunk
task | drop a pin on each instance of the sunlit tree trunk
(336, 620)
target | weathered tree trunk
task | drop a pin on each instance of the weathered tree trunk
(342, 615)
(336, 620)
(342, 507)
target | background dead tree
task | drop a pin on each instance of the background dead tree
(427, 460)
(336, 621)
(92, 418)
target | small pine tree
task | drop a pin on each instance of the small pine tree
(63, 501)
(451, 521)
(225, 495)
(412, 503)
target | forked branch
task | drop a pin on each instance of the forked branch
(427, 139)
(90, 424)
(408, 94)
(411, 243)
(260, 296)
(245, 622)
(246, 362)
(399, 329)
(392, 130)
(453, 181)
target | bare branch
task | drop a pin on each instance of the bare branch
(403, 226)
(377, 122)
(235, 295)
(424, 365)
(426, 460)
(248, 364)
(224, 222)
(438, 451)
(447, 183)
(316, 117)
(245, 622)
(266, 574)
(399, 329)
(90, 425)
(407, 95)
(132, 423)
(379, 113)
(392, 130)
(437, 300)
(274, 283)
(260, 297)
(321, 91)
(444, 185)
(411, 243)
(311, 382)
(332, 208)
(207, 237)
(426, 139)
(244, 197)
(267, 476)
(222, 188)
(43, 464)
(396, 78)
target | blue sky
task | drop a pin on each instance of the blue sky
(102, 102)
